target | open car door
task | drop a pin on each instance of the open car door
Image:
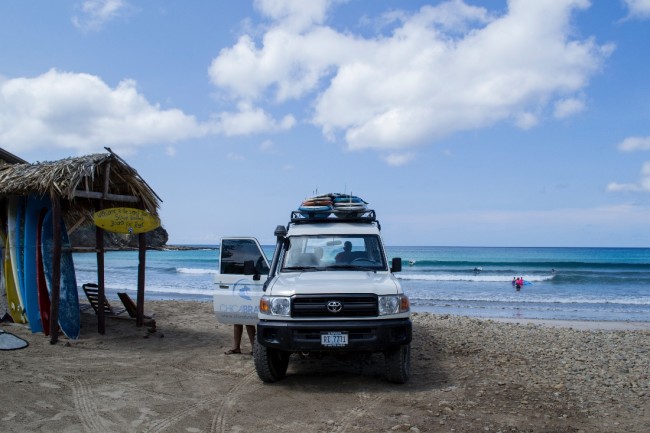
(243, 269)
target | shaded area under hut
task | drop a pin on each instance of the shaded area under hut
(74, 189)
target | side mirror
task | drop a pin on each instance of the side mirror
(396, 266)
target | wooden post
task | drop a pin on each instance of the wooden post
(56, 270)
(142, 253)
(99, 245)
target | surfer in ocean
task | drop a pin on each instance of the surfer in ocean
(518, 283)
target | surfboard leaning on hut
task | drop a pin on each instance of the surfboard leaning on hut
(76, 188)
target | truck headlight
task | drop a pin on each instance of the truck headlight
(275, 305)
(393, 304)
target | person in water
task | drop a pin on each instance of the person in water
(518, 283)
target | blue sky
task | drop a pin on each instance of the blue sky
(478, 123)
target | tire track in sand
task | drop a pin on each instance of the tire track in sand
(230, 399)
(218, 421)
(368, 402)
(85, 407)
(162, 424)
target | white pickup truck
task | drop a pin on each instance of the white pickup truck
(329, 287)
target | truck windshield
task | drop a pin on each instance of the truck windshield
(348, 252)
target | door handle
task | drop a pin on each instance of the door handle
(224, 286)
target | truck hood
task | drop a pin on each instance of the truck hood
(288, 284)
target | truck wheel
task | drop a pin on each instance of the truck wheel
(397, 364)
(270, 364)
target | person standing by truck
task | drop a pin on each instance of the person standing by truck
(238, 331)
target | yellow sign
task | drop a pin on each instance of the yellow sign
(125, 220)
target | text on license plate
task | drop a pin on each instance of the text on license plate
(334, 339)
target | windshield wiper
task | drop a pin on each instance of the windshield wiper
(353, 267)
(300, 268)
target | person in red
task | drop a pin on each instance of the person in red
(518, 283)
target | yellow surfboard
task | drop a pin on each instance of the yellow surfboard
(126, 220)
(15, 309)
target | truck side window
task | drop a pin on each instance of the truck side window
(235, 252)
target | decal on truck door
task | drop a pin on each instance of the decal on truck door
(243, 270)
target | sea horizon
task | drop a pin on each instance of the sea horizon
(213, 246)
(563, 283)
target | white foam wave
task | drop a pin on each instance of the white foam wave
(533, 299)
(196, 271)
(175, 290)
(477, 277)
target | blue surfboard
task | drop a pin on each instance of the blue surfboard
(32, 211)
(13, 245)
(69, 318)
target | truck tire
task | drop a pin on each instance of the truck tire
(270, 364)
(397, 364)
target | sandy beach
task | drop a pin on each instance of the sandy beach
(468, 375)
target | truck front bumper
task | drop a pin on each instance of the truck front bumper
(363, 335)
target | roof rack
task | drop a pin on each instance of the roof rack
(333, 216)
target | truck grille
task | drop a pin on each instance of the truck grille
(350, 306)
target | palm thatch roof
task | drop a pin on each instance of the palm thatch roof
(83, 181)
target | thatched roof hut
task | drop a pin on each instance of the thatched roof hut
(77, 187)
(81, 182)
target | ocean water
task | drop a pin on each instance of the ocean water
(610, 284)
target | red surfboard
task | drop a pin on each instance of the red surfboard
(43, 294)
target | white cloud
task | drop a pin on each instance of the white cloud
(568, 107)
(601, 216)
(80, 111)
(170, 151)
(526, 120)
(443, 69)
(235, 157)
(643, 185)
(398, 159)
(294, 14)
(266, 146)
(638, 8)
(632, 144)
(250, 120)
(95, 13)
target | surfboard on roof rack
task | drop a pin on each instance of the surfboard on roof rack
(316, 211)
(348, 199)
(341, 205)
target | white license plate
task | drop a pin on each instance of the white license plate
(334, 339)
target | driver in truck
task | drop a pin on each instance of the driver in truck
(345, 256)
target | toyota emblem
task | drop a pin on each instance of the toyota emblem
(334, 306)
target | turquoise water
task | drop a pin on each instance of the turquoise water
(563, 283)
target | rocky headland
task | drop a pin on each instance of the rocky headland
(83, 238)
